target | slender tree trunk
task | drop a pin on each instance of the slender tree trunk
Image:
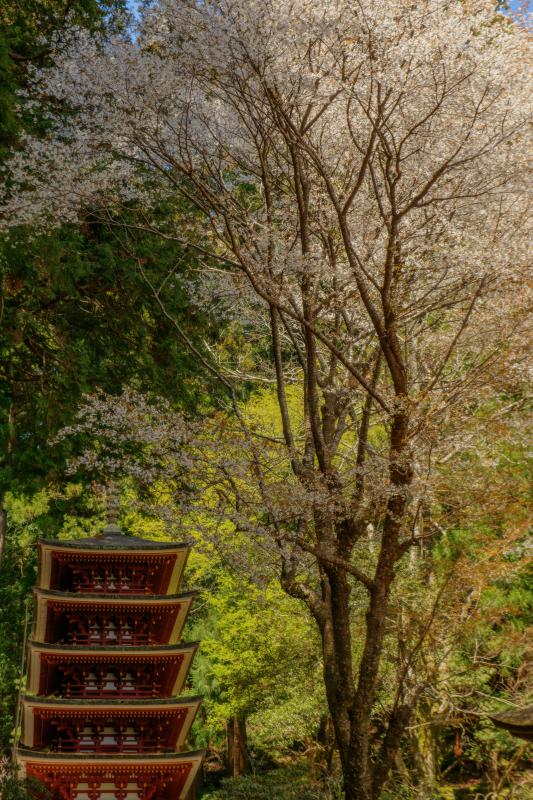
(326, 740)
(425, 756)
(3, 527)
(238, 759)
(7, 462)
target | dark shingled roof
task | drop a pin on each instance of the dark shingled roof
(105, 598)
(95, 702)
(114, 649)
(519, 722)
(144, 758)
(112, 538)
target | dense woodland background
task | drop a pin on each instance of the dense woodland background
(75, 318)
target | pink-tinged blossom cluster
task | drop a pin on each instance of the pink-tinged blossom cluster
(360, 173)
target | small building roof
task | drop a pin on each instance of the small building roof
(519, 722)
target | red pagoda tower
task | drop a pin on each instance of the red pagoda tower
(101, 719)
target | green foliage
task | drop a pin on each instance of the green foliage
(12, 787)
(289, 783)
(76, 314)
(259, 659)
(27, 520)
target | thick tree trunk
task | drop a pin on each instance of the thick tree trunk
(238, 759)
(365, 776)
(351, 711)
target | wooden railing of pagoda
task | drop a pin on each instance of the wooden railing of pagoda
(127, 689)
(90, 736)
(105, 743)
(95, 685)
(110, 636)
(119, 581)
(113, 629)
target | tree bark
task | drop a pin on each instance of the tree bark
(8, 458)
(351, 709)
(425, 757)
(238, 758)
(3, 528)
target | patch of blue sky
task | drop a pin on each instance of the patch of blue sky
(133, 7)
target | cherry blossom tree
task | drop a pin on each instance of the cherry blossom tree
(358, 173)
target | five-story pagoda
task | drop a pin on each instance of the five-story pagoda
(101, 719)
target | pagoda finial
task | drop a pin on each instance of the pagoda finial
(112, 507)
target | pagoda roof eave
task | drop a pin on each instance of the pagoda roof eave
(105, 759)
(69, 597)
(184, 708)
(145, 650)
(172, 556)
(72, 758)
(155, 702)
(76, 762)
(176, 605)
(147, 653)
(117, 543)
